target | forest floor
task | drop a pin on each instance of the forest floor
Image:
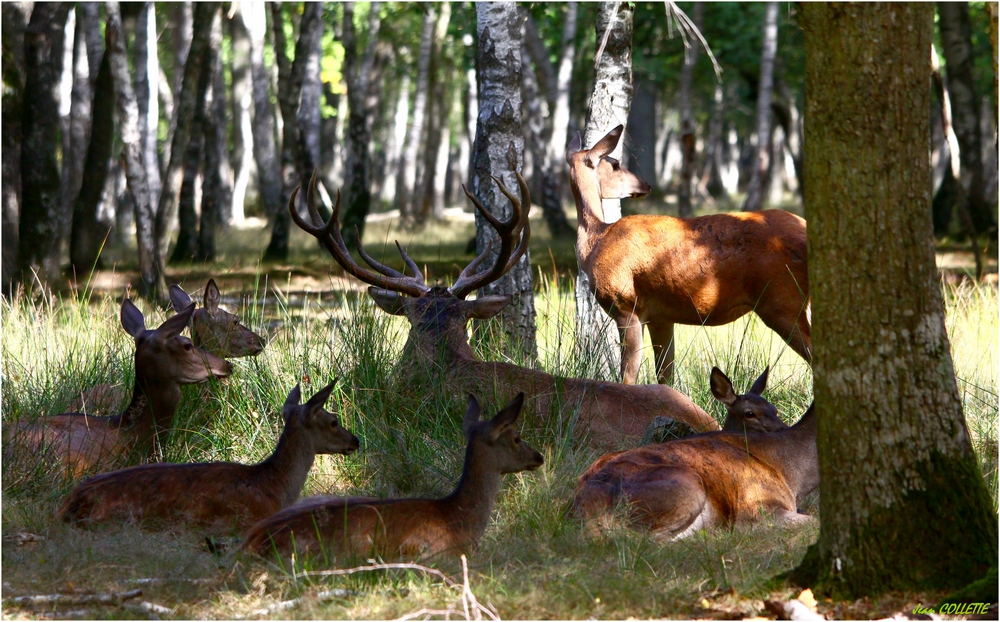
(535, 562)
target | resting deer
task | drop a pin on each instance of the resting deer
(391, 528)
(212, 329)
(611, 414)
(659, 271)
(679, 487)
(221, 495)
(164, 360)
(748, 412)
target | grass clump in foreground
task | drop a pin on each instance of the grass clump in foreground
(534, 561)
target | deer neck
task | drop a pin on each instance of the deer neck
(589, 214)
(470, 506)
(150, 412)
(793, 453)
(287, 468)
(434, 341)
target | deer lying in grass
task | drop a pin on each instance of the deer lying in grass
(164, 360)
(221, 495)
(657, 271)
(212, 329)
(611, 414)
(748, 412)
(676, 488)
(413, 528)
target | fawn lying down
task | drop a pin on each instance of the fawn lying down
(391, 528)
(217, 494)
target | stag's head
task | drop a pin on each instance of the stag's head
(438, 314)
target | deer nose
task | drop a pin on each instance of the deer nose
(223, 370)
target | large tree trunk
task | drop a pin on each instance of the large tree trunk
(498, 127)
(183, 120)
(15, 18)
(40, 226)
(610, 102)
(264, 149)
(242, 103)
(890, 415)
(88, 234)
(147, 80)
(761, 161)
(215, 191)
(956, 41)
(80, 121)
(359, 72)
(687, 121)
(150, 268)
(415, 133)
(306, 68)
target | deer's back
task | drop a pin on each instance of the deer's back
(713, 267)
(390, 528)
(219, 494)
(78, 442)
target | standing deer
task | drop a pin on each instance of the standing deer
(719, 478)
(164, 360)
(659, 271)
(612, 414)
(391, 528)
(212, 329)
(221, 495)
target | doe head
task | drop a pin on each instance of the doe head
(748, 412)
(614, 181)
(214, 329)
(163, 355)
(322, 426)
(499, 438)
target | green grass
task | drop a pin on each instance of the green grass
(534, 561)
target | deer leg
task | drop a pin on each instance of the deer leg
(673, 505)
(661, 334)
(630, 329)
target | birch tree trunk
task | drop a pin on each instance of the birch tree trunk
(890, 414)
(596, 333)
(761, 161)
(215, 193)
(397, 138)
(40, 225)
(264, 149)
(80, 121)
(497, 128)
(150, 268)
(15, 19)
(242, 103)
(440, 73)
(147, 72)
(415, 133)
(687, 122)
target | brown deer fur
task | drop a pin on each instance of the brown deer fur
(413, 528)
(610, 414)
(217, 494)
(164, 360)
(719, 478)
(657, 271)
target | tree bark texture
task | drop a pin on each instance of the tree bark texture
(80, 121)
(761, 160)
(687, 121)
(903, 501)
(150, 266)
(183, 120)
(415, 132)
(956, 43)
(610, 103)
(147, 72)
(15, 19)
(498, 126)
(42, 215)
(264, 149)
(215, 192)
(306, 72)
(87, 233)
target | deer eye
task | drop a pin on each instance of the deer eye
(188, 346)
(517, 440)
(751, 414)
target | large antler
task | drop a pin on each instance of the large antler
(514, 231)
(329, 236)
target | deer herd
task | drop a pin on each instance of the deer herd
(652, 271)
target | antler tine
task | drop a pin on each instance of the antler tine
(410, 263)
(329, 236)
(470, 269)
(312, 197)
(509, 232)
(384, 269)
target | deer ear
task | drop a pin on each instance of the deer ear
(132, 320)
(212, 296)
(174, 325)
(389, 301)
(606, 145)
(291, 402)
(179, 298)
(760, 383)
(485, 307)
(722, 387)
(506, 417)
(321, 396)
(472, 412)
(575, 146)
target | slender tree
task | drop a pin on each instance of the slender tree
(242, 104)
(214, 188)
(14, 16)
(264, 149)
(498, 127)
(687, 121)
(414, 134)
(761, 161)
(40, 226)
(147, 93)
(890, 414)
(80, 122)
